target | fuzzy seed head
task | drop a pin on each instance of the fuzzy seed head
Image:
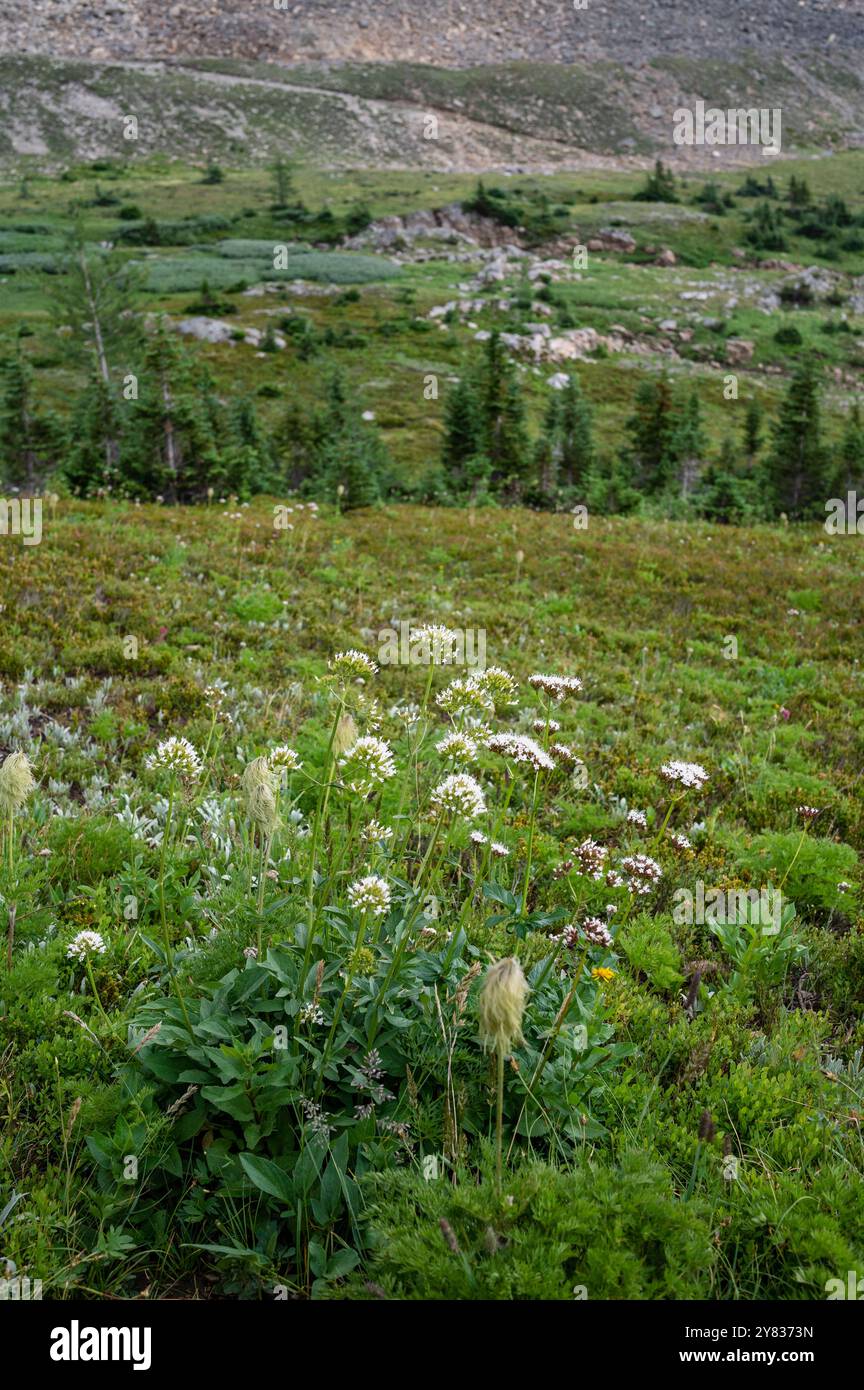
(16, 783)
(502, 1004)
(259, 793)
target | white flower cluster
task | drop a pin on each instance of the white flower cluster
(556, 687)
(376, 833)
(352, 665)
(460, 747)
(439, 641)
(591, 857)
(685, 774)
(367, 763)
(177, 755)
(86, 943)
(465, 694)
(498, 684)
(643, 872)
(370, 894)
(495, 846)
(521, 748)
(284, 757)
(679, 840)
(565, 753)
(459, 795)
(596, 932)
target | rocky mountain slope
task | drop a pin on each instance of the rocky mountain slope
(447, 32)
(531, 84)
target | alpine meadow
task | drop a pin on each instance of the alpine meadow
(431, 662)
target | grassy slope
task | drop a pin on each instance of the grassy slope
(370, 114)
(393, 354)
(643, 613)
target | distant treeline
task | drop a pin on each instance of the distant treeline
(149, 422)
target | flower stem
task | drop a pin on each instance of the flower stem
(499, 1120)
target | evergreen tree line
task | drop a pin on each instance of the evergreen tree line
(166, 433)
(771, 467)
(149, 423)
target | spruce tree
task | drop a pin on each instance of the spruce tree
(248, 456)
(462, 437)
(716, 495)
(796, 469)
(577, 440)
(547, 452)
(90, 464)
(293, 446)
(652, 429)
(351, 465)
(687, 445)
(502, 416)
(850, 455)
(753, 429)
(659, 187)
(171, 447)
(93, 302)
(30, 440)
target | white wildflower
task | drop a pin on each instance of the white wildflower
(370, 894)
(557, 687)
(460, 747)
(367, 763)
(521, 749)
(178, 755)
(685, 774)
(376, 833)
(352, 665)
(86, 943)
(459, 795)
(284, 757)
(643, 872)
(465, 694)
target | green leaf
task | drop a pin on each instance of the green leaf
(268, 1177)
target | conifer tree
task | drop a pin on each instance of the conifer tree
(462, 438)
(502, 417)
(796, 471)
(171, 450)
(351, 464)
(90, 464)
(577, 440)
(547, 451)
(93, 302)
(652, 428)
(850, 455)
(30, 440)
(687, 445)
(753, 429)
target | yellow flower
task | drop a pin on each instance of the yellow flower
(602, 972)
